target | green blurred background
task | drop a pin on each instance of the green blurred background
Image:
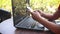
(48, 6)
(6, 5)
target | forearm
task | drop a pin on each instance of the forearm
(50, 25)
(47, 16)
(55, 16)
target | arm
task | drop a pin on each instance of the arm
(55, 16)
(50, 25)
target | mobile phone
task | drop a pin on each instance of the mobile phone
(30, 9)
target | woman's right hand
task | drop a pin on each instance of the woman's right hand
(35, 15)
(41, 12)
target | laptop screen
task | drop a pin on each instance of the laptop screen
(19, 10)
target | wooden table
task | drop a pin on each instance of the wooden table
(24, 31)
(7, 27)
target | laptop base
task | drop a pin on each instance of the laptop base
(30, 23)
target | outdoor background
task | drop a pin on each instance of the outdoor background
(6, 5)
(48, 6)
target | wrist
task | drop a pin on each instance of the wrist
(40, 19)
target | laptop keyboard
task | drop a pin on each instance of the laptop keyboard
(26, 23)
(29, 23)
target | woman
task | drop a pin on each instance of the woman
(39, 16)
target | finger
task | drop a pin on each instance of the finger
(31, 12)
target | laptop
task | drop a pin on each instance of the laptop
(21, 16)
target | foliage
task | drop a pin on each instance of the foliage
(6, 5)
(44, 5)
(48, 6)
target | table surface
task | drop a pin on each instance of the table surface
(6, 27)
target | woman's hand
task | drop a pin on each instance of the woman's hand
(41, 13)
(36, 15)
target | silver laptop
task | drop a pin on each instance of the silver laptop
(21, 16)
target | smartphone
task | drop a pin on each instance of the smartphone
(29, 9)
